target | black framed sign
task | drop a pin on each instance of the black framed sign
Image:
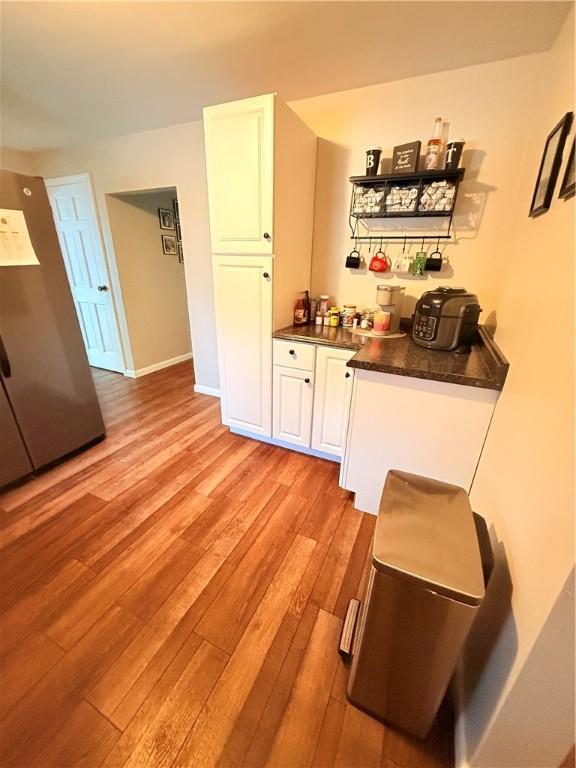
(405, 157)
(550, 166)
(568, 186)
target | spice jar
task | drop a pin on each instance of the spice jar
(348, 315)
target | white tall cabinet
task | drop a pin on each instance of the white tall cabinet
(261, 161)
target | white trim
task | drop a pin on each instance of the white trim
(157, 366)
(201, 389)
(59, 181)
(283, 444)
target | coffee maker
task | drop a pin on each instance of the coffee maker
(389, 298)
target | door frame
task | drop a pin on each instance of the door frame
(118, 311)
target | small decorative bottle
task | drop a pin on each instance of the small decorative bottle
(434, 147)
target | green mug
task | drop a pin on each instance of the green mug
(419, 264)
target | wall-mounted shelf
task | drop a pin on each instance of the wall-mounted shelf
(370, 181)
(420, 195)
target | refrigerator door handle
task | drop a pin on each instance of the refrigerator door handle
(4, 361)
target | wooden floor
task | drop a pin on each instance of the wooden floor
(173, 596)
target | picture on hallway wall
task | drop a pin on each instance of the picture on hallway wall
(178, 232)
(169, 245)
(568, 186)
(180, 254)
(166, 217)
(176, 210)
(550, 166)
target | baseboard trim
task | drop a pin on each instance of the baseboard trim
(202, 390)
(460, 744)
(283, 444)
(157, 366)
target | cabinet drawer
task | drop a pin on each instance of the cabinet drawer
(294, 354)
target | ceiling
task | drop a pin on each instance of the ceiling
(78, 71)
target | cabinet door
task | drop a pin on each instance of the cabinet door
(243, 301)
(293, 398)
(332, 400)
(240, 165)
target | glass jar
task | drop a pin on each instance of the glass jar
(348, 315)
(334, 317)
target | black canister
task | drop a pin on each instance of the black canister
(373, 161)
(453, 154)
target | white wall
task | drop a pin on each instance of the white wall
(168, 157)
(153, 285)
(525, 480)
(18, 162)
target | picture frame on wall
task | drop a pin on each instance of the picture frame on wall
(568, 186)
(180, 254)
(166, 218)
(550, 166)
(176, 210)
(178, 232)
(169, 245)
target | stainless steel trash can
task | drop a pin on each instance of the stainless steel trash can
(424, 588)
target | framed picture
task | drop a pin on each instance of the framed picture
(178, 232)
(169, 245)
(550, 166)
(180, 254)
(176, 210)
(568, 185)
(166, 217)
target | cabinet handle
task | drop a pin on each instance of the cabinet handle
(347, 374)
(306, 381)
(265, 275)
(291, 352)
(266, 236)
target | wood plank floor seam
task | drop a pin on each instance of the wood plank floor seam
(173, 597)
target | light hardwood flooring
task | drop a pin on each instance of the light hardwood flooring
(173, 596)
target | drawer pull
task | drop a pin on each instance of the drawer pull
(291, 352)
(306, 381)
(347, 374)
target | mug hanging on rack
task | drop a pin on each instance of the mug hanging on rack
(354, 259)
(403, 262)
(379, 262)
(419, 263)
(434, 261)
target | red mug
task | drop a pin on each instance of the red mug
(379, 262)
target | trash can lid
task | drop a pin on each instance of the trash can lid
(425, 533)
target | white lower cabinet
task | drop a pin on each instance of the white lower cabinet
(293, 399)
(332, 395)
(243, 301)
(311, 404)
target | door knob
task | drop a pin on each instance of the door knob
(265, 275)
(102, 287)
(266, 236)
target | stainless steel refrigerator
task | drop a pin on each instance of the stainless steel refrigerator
(48, 403)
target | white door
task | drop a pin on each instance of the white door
(332, 398)
(77, 227)
(240, 166)
(293, 398)
(243, 302)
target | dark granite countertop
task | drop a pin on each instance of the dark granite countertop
(485, 366)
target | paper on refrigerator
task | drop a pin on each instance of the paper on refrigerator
(16, 249)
